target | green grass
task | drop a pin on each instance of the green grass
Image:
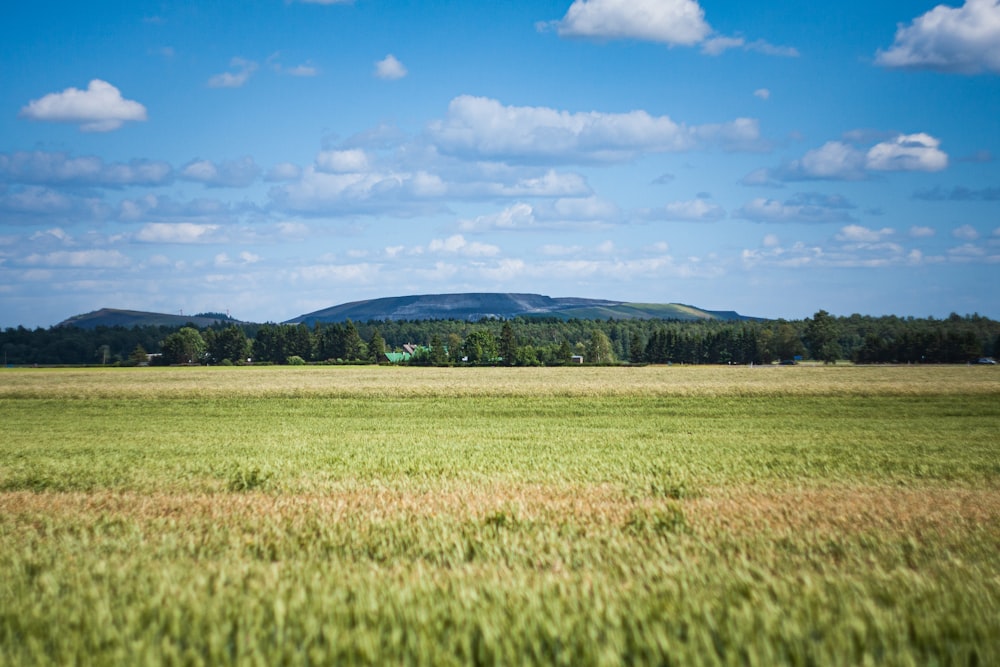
(499, 516)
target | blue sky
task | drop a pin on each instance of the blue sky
(274, 157)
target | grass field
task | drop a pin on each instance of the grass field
(321, 515)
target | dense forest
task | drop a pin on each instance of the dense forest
(518, 341)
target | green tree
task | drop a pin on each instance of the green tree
(455, 345)
(354, 348)
(481, 347)
(229, 344)
(599, 349)
(186, 346)
(821, 337)
(438, 355)
(786, 343)
(139, 356)
(508, 345)
(636, 350)
(376, 347)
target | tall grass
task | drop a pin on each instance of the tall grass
(639, 516)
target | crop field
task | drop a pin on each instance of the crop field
(567, 516)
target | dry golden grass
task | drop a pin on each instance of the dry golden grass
(388, 381)
(833, 510)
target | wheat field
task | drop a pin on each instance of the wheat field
(574, 516)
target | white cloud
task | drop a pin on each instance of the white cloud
(804, 207)
(94, 259)
(762, 93)
(965, 232)
(283, 171)
(919, 232)
(304, 70)
(31, 202)
(484, 128)
(100, 108)
(556, 250)
(859, 234)
(673, 22)
(720, 44)
(457, 244)
(907, 152)
(693, 210)
(518, 216)
(390, 68)
(229, 174)
(579, 209)
(962, 39)
(670, 22)
(853, 247)
(833, 160)
(245, 258)
(843, 161)
(343, 161)
(44, 167)
(503, 270)
(177, 232)
(152, 207)
(55, 233)
(243, 70)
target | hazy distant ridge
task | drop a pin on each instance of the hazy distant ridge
(477, 305)
(470, 306)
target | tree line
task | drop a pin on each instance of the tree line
(521, 341)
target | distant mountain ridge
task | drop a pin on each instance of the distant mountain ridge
(113, 317)
(474, 306)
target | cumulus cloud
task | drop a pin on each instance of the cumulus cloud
(94, 259)
(670, 22)
(177, 232)
(283, 171)
(561, 213)
(958, 193)
(720, 44)
(99, 108)
(393, 189)
(859, 234)
(804, 207)
(389, 68)
(844, 161)
(245, 258)
(229, 174)
(520, 216)
(343, 161)
(303, 70)
(762, 93)
(481, 127)
(693, 210)
(457, 244)
(55, 168)
(241, 72)
(833, 160)
(962, 39)
(921, 231)
(965, 233)
(30, 204)
(673, 22)
(907, 152)
(149, 207)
